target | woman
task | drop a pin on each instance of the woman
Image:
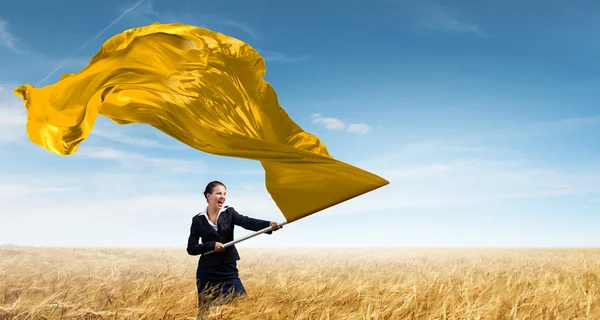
(217, 273)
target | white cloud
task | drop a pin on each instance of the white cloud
(441, 18)
(455, 183)
(252, 187)
(6, 38)
(148, 209)
(121, 137)
(359, 128)
(556, 127)
(338, 124)
(329, 123)
(148, 204)
(10, 191)
(273, 56)
(132, 159)
(581, 121)
(13, 116)
(466, 183)
(158, 217)
(441, 174)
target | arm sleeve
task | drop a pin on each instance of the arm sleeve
(194, 247)
(248, 222)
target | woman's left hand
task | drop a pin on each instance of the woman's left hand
(275, 226)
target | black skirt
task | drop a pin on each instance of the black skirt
(219, 284)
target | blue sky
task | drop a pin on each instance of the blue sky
(483, 117)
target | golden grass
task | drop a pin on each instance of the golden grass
(37, 283)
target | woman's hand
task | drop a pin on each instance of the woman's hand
(219, 247)
(275, 226)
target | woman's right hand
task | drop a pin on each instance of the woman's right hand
(219, 247)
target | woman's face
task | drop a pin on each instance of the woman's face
(217, 197)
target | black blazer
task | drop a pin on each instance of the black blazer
(202, 230)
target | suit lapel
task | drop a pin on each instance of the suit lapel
(206, 225)
(223, 219)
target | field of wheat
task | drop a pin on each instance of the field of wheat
(58, 283)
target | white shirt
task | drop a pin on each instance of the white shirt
(205, 214)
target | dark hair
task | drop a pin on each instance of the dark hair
(211, 186)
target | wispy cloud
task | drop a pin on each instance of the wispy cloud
(338, 124)
(6, 38)
(149, 204)
(461, 183)
(328, 123)
(132, 159)
(561, 186)
(13, 116)
(441, 173)
(148, 14)
(581, 121)
(37, 62)
(561, 126)
(11, 191)
(34, 61)
(236, 24)
(493, 180)
(92, 39)
(480, 142)
(152, 219)
(554, 127)
(272, 56)
(133, 140)
(359, 128)
(432, 149)
(437, 17)
(153, 203)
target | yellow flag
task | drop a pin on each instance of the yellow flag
(206, 90)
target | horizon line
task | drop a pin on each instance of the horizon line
(16, 246)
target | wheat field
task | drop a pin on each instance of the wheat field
(362, 283)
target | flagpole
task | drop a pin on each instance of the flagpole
(230, 243)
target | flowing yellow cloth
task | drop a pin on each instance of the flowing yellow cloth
(206, 90)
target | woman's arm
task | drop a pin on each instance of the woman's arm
(249, 223)
(194, 247)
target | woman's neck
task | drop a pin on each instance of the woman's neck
(212, 211)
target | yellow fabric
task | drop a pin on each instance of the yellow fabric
(206, 90)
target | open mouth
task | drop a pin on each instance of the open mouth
(220, 203)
